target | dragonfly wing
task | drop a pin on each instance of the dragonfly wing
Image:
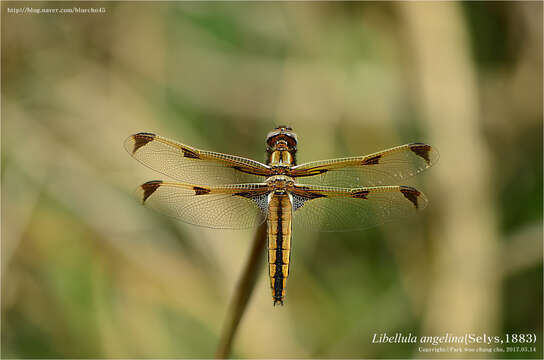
(240, 206)
(190, 165)
(381, 168)
(343, 209)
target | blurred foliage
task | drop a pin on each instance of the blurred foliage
(87, 273)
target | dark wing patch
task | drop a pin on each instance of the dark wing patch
(141, 139)
(200, 190)
(372, 160)
(309, 172)
(312, 195)
(245, 194)
(306, 192)
(190, 154)
(421, 150)
(149, 188)
(411, 194)
(362, 194)
(319, 171)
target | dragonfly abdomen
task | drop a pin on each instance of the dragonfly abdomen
(279, 244)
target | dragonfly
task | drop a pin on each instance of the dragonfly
(224, 191)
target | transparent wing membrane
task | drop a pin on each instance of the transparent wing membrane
(226, 207)
(341, 209)
(382, 168)
(190, 165)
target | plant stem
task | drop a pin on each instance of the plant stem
(241, 297)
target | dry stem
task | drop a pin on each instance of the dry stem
(241, 297)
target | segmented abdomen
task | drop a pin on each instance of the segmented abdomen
(279, 244)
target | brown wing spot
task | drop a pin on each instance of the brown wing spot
(372, 161)
(245, 194)
(313, 195)
(421, 150)
(411, 194)
(318, 171)
(200, 190)
(149, 188)
(190, 154)
(140, 139)
(252, 193)
(362, 194)
(307, 193)
(309, 172)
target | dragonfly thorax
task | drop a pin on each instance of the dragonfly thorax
(280, 183)
(280, 159)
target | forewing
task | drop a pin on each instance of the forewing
(342, 209)
(238, 206)
(382, 168)
(190, 165)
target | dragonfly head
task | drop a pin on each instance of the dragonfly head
(282, 138)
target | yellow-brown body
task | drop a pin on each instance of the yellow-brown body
(281, 149)
(279, 243)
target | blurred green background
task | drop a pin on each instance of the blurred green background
(89, 273)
